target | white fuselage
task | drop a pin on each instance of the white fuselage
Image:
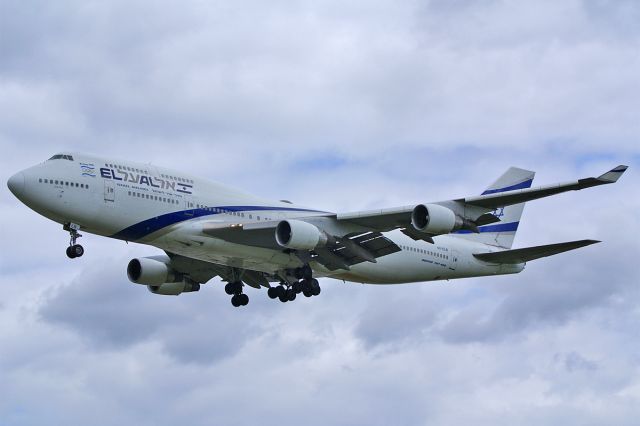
(166, 209)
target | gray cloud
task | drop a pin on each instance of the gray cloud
(396, 316)
(111, 313)
(559, 293)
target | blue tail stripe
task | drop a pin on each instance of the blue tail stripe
(521, 185)
(146, 227)
(500, 227)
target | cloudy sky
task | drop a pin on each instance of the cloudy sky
(341, 106)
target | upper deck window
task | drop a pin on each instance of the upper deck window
(61, 157)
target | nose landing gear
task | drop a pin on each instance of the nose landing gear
(74, 250)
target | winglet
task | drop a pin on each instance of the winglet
(613, 175)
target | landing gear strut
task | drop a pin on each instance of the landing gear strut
(74, 250)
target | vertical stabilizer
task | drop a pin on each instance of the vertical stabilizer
(502, 233)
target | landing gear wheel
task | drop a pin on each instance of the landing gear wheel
(233, 288)
(307, 293)
(291, 295)
(78, 250)
(283, 298)
(315, 287)
(240, 300)
(306, 286)
(272, 292)
(297, 287)
(243, 298)
(74, 251)
(235, 301)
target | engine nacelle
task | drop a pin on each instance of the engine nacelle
(174, 289)
(435, 219)
(299, 235)
(150, 271)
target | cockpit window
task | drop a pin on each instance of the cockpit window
(61, 157)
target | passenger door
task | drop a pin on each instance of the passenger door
(188, 207)
(453, 259)
(109, 191)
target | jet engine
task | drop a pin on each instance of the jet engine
(435, 219)
(151, 271)
(299, 235)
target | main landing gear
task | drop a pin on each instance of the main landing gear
(74, 250)
(238, 298)
(307, 285)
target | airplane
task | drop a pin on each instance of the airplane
(209, 230)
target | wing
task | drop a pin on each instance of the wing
(474, 211)
(494, 201)
(531, 253)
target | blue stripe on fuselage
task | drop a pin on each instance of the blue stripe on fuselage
(146, 227)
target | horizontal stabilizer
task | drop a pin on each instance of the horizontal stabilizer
(531, 253)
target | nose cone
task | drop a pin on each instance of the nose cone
(16, 184)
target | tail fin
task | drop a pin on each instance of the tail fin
(502, 233)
